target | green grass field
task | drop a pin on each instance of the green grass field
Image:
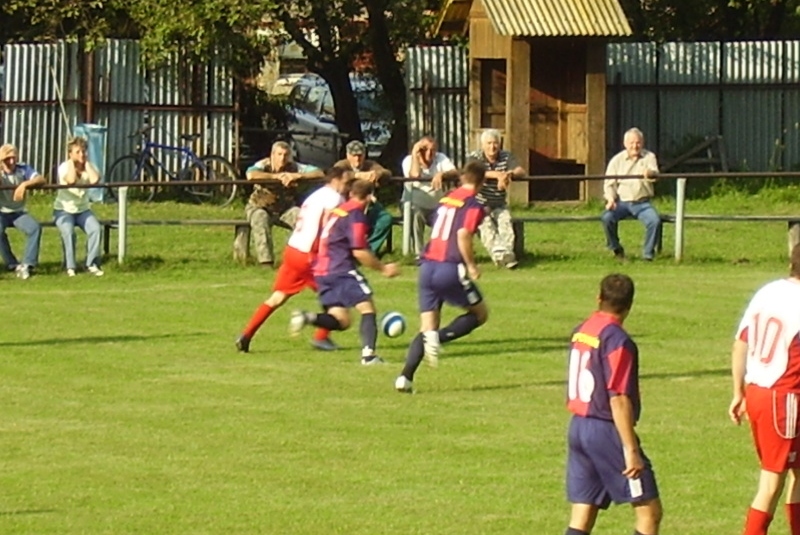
(125, 408)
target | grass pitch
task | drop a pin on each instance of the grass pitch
(127, 410)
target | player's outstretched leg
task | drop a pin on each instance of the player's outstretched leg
(301, 318)
(322, 341)
(405, 381)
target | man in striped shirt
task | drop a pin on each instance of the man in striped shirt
(496, 232)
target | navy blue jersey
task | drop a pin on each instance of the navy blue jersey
(460, 209)
(603, 362)
(346, 230)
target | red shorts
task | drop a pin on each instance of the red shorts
(773, 420)
(295, 272)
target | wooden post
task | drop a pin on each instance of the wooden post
(596, 118)
(518, 105)
(794, 235)
(519, 237)
(241, 243)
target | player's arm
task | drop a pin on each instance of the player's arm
(738, 366)
(622, 414)
(465, 247)
(368, 259)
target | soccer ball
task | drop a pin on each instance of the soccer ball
(393, 324)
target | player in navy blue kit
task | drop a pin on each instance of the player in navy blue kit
(606, 462)
(447, 273)
(343, 245)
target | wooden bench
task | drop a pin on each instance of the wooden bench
(517, 223)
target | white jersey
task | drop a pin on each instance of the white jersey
(309, 220)
(770, 327)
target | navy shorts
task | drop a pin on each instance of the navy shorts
(446, 282)
(595, 465)
(343, 289)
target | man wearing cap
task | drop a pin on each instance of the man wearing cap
(18, 177)
(356, 161)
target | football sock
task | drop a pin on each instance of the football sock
(326, 321)
(573, 531)
(257, 319)
(414, 356)
(793, 515)
(757, 522)
(321, 334)
(369, 331)
(461, 326)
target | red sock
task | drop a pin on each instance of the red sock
(257, 319)
(793, 514)
(757, 522)
(321, 334)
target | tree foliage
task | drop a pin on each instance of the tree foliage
(686, 20)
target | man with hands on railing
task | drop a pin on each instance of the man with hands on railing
(496, 231)
(13, 213)
(363, 168)
(630, 197)
(267, 204)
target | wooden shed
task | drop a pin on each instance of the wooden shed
(538, 74)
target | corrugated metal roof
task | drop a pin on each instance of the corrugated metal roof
(558, 18)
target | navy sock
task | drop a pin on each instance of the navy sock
(326, 321)
(573, 531)
(461, 326)
(369, 331)
(637, 532)
(413, 357)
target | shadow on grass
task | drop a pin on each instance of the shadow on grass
(141, 263)
(562, 383)
(21, 512)
(98, 339)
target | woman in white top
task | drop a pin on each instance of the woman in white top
(71, 207)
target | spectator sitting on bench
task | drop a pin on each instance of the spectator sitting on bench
(379, 219)
(496, 231)
(431, 167)
(71, 207)
(630, 197)
(267, 204)
(13, 212)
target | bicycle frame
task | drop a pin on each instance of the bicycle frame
(147, 155)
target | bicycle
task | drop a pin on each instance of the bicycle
(143, 164)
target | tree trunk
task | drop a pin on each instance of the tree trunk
(775, 18)
(337, 74)
(390, 75)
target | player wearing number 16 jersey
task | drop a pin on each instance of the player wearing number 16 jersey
(447, 273)
(605, 460)
(295, 272)
(766, 373)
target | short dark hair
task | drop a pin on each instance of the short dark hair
(794, 263)
(334, 173)
(361, 189)
(616, 293)
(474, 173)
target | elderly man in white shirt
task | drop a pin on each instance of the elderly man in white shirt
(630, 197)
(433, 168)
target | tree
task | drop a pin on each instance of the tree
(663, 20)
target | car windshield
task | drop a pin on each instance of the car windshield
(372, 106)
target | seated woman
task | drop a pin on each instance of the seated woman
(71, 207)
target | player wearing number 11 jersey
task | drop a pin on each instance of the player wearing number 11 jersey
(447, 274)
(605, 460)
(766, 373)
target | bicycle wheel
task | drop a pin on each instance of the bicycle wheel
(214, 167)
(126, 169)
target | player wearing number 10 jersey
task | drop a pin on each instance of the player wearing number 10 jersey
(605, 460)
(766, 373)
(447, 273)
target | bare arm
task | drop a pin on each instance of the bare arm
(465, 247)
(738, 367)
(70, 175)
(92, 173)
(367, 258)
(261, 175)
(622, 414)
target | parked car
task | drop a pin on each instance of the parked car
(315, 137)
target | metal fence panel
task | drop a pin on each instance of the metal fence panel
(438, 97)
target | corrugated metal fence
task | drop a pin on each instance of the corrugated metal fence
(438, 97)
(677, 93)
(49, 88)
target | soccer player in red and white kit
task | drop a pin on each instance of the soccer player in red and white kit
(606, 462)
(765, 365)
(295, 272)
(447, 274)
